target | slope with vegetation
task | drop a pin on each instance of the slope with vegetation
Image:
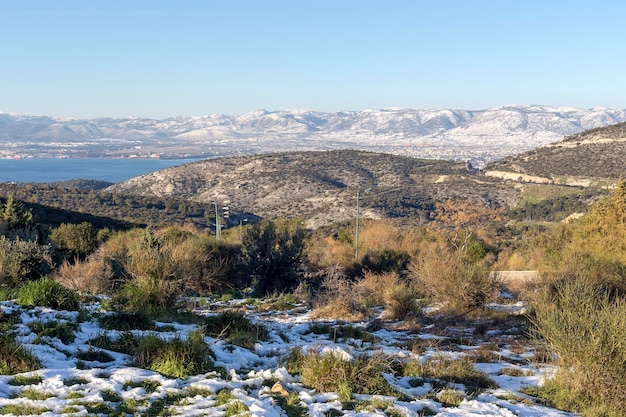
(591, 157)
(319, 187)
(385, 276)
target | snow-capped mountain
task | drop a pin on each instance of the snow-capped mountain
(477, 135)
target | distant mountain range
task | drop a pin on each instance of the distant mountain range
(477, 135)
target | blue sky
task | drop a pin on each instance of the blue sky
(167, 58)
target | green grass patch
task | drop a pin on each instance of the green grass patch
(98, 408)
(7, 321)
(236, 408)
(48, 293)
(14, 359)
(176, 358)
(342, 333)
(291, 405)
(234, 328)
(62, 330)
(330, 372)
(446, 370)
(150, 385)
(75, 381)
(21, 380)
(94, 355)
(450, 397)
(23, 409)
(126, 321)
(159, 407)
(111, 396)
(124, 343)
(33, 394)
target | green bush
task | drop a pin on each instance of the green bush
(152, 296)
(48, 293)
(271, 255)
(585, 326)
(402, 301)
(22, 260)
(75, 240)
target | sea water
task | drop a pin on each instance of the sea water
(104, 169)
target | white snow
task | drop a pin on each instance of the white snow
(249, 371)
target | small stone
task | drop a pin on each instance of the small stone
(279, 389)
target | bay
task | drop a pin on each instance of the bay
(104, 169)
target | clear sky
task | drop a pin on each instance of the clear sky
(161, 58)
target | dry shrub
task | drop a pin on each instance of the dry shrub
(372, 287)
(376, 236)
(327, 251)
(203, 264)
(91, 276)
(401, 301)
(448, 277)
(338, 299)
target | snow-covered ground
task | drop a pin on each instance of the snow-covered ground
(69, 386)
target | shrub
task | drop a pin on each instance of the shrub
(448, 277)
(372, 287)
(22, 260)
(271, 254)
(152, 296)
(401, 301)
(386, 260)
(91, 276)
(339, 299)
(585, 325)
(48, 293)
(75, 240)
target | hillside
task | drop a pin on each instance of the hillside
(317, 186)
(595, 156)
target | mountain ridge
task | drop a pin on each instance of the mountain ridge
(455, 134)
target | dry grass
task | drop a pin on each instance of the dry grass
(91, 276)
(338, 300)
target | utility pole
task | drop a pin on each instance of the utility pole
(241, 230)
(356, 234)
(218, 226)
